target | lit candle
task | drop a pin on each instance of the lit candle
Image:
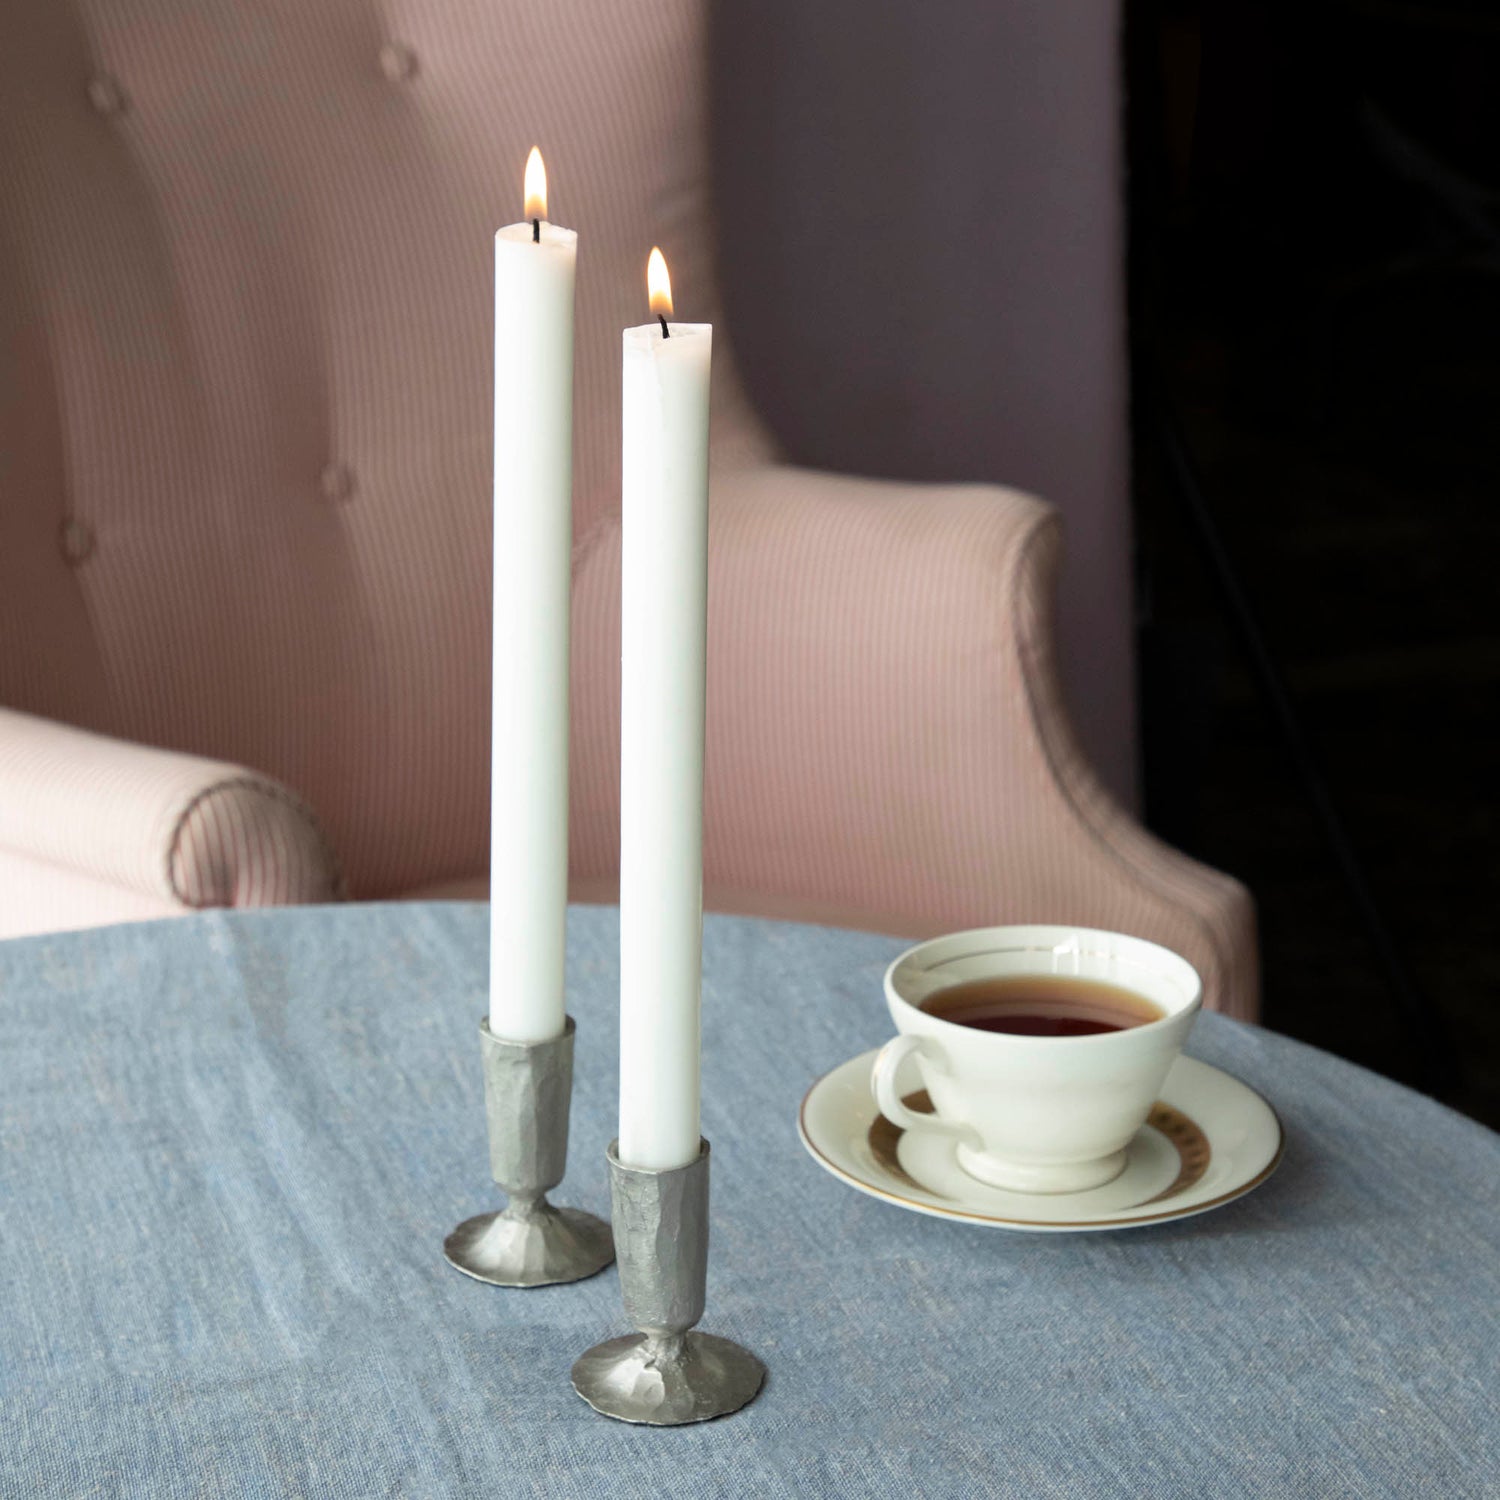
(534, 263)
(664, 593)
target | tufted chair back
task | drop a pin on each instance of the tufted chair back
(245, 280)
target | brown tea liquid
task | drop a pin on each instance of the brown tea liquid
(1042, 1005)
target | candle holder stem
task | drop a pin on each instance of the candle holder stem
(668, 1373)
(528, 1088)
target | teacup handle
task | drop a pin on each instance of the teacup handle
(883, 1082)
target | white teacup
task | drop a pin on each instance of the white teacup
(1035, 1114)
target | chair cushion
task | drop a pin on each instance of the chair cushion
(245, 280)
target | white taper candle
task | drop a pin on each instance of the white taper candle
(533, 498)
(664, 505)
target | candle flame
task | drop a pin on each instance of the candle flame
(536, 186)
(659, 284)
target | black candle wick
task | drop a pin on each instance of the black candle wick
(666, 332)
(536, 231)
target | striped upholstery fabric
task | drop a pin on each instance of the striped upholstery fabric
(245, 511)
(886, 743)
(92, 827)
(245, 279)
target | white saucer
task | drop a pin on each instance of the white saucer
(1209, 1139)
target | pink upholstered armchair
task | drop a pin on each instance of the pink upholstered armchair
(244, 504)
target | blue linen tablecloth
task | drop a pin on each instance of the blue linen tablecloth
(230, 1147)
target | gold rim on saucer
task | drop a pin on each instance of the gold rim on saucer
(1184, 1134)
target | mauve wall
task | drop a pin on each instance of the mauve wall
(921, 219)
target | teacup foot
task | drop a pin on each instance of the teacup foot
(1016, 1177)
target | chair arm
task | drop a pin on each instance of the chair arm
(174, 831)
(887, 740)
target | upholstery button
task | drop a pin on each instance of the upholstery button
(106, 95)
(337, 483)
(398, 62)
(75, 538)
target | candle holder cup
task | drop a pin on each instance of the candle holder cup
(668, 1373)
(528, 1088)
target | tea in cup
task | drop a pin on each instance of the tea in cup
(1041, 1048)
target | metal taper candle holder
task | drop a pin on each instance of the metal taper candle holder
(528, 1087)
(668, 1373)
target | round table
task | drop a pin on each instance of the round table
(232, 1145)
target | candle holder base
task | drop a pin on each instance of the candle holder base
(667, 1374)
(540, 1248)
(639, 1378)
(528, 1088)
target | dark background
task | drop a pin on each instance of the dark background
(1314, 196)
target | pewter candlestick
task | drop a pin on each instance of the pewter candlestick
(528, 1087)
(668, 1373)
